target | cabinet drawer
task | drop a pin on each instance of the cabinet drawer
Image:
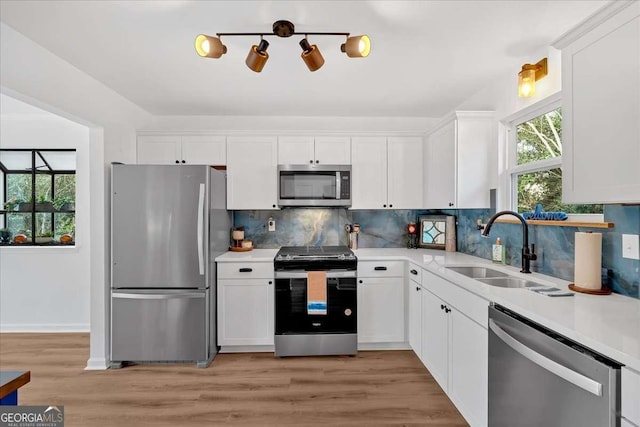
(380, 268)
(414, 273)
(631, 395)
(245, 270)
(471, 305)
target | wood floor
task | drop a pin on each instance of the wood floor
(251, 389)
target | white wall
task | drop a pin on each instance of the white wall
(501, 96)
(47, 289)
(31, 73)
(320, 124)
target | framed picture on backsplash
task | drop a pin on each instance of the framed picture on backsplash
(433, 230)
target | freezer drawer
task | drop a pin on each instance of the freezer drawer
(159, 326)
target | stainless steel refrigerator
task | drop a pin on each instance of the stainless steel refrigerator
(168, 223)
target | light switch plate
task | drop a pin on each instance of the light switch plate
(631, 246)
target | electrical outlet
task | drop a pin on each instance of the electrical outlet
(631, 246)
(271, 223)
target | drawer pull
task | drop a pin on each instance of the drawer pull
(380, 268)
(414, 272)
(246, 270)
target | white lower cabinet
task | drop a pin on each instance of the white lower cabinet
(454, 346)
(381, 314)
(468, 368)
(435, 338)
(245, 304)
(630, 385)
(415, 309)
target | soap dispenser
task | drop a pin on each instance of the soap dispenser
(498, 253)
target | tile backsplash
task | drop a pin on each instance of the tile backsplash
(387, 229)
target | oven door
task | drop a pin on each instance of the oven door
(291, 316)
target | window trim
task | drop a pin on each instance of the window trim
(512, 169)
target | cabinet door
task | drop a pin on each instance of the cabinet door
(435, 336)
(601, 135)
(245, 312)
(158, 150)
(468, 369)
(381, 310)
(630, 390)
(204, 150)
(369, 172)
(441, 168)
(415, 317)
(404, 172)
(252, 173)
(475, 154)
(333, 150)
(295, 150)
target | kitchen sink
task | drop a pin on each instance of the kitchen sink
(478, 272)
(508, 282)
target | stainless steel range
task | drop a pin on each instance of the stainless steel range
(315, 301)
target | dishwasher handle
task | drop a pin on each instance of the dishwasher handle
(544, 362)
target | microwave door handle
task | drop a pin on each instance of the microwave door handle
(338, 192)
(559, 370)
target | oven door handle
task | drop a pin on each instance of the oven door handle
(544, 362)
(303, 274)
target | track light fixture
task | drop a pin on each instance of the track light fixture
(529, 75)
(212, 47)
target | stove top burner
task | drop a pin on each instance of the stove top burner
(290, 253)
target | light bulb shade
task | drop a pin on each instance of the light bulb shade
(257, 56)
(209, 47)
(311, 55)
(357, 46)
(527, 82)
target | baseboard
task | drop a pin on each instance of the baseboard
(96, 364)
(45, 328)
(384, 346)
(247, 349)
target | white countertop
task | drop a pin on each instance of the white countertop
(607, 324)
(256, 255)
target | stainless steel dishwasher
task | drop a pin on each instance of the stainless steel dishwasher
(540, 378)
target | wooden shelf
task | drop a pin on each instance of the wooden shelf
(560, 223)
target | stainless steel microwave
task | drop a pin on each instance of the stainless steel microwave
(314, 185)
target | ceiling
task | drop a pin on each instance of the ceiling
(427, 57)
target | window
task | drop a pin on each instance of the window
(38, 195)
(535, 162)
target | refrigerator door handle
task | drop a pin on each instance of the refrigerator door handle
(158, 296)
(559, 370)
(200, 231)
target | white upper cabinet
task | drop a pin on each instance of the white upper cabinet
(181, 149)
(301, 150)
(601, 110)
(369, 172)
(252, 172)
(457, 160)
(386, 172)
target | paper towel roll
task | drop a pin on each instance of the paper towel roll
(588, 260)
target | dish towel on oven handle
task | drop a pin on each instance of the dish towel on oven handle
(317, 292)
